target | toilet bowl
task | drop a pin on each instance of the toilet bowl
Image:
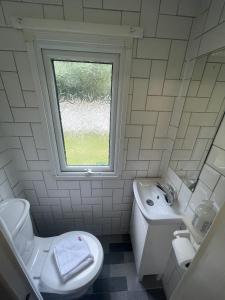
(37, 253)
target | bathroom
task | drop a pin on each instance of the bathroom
(158, 159)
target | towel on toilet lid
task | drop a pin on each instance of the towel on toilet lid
(72, 255)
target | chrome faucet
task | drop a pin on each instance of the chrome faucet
(170, 193)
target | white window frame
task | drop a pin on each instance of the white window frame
(48, 56)
(51, 35)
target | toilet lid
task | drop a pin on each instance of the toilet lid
(50, 279)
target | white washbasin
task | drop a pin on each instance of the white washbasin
(160, 211)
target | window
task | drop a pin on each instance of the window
(81, 75)
(83, 89)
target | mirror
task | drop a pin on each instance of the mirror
(200, 117)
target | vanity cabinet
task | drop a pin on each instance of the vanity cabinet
(151, 242)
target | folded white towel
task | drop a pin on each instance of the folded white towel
(72, 255)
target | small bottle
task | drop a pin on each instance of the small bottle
(204, 215)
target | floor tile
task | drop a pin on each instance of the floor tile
(105, 273)
(156, 294)
(114, 258)
(95, 297)
(106, 285)
(120, 247)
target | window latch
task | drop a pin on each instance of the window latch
(88, 172)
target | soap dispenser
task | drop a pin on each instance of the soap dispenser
(204, 215)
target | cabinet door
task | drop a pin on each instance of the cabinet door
(138, 231)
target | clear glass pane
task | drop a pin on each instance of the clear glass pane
(84, 99)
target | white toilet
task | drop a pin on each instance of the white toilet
(37, 253)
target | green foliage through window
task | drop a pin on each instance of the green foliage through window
(83, 80)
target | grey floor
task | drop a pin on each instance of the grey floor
(118, 279)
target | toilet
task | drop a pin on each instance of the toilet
(36, 253)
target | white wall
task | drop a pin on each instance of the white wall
(101, 206)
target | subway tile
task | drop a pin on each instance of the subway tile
(53, 12)
(75, 197)
(181, 154)
(130, 18)
(26, 114)
(199, 149)
(140, 68)
(21, 9)
(113, 184)
(16, 129)
(193, 88)
(150, 155)
(159, 103)
(171, 87)
(133, 149)
(173, 27)
(92, 3)
(207, 132)
(190, 138)
(147, 137)
(188, 8)
(183, 125)
(41, 165)
(12, 39)
(153, 48)
(7, 61)
(162, 124)
(219, 192)
(39, 137)
(130, 5)
(216, 159)
(196, 104)
(176, 59)
(24, 71)
(199, 68)
(43, 154)
(209, 176)
(139, 94)
(13, 89)
(85, 188)
(19, 158)
(102, 16)
(208, 80)
(73, 10)
(217, 97)
(30, 99)
(202, 119)
(156, 82)
(177, 111)
(169, 7)
(5, 112)
(40, 188)
(214, 14)
(69, 184)
(133, 131)
(137, 165)
(149, 16)
(143, 117)
(219, 139)
(29, 148)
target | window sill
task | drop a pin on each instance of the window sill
(86, 176)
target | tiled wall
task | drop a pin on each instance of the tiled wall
(9, 183)
(211, 185)
(101, 206)
(202, 112)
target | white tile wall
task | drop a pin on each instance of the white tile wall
(101, 206)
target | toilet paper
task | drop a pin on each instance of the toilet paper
(184, 251)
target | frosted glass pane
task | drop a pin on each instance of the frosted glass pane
(84, 100)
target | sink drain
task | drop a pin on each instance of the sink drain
(150, 202)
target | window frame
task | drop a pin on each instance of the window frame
(113, 59)
(39, 39)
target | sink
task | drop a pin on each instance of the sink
(152, 203)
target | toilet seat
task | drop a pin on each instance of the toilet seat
(50, 281)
